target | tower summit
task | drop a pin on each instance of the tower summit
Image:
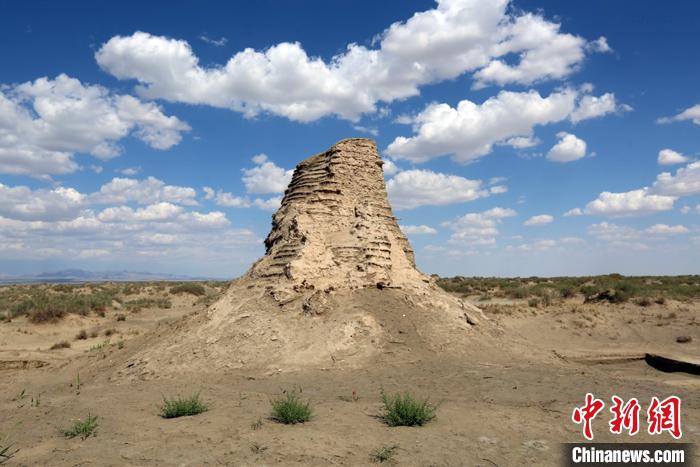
(335, 228)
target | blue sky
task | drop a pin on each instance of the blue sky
(522, 138)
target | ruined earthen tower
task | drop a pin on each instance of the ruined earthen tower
(335, 228)
(337, 286)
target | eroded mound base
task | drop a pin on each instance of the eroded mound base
(248, 328)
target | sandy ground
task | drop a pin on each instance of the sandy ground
(491, 411)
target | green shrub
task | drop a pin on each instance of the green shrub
(140, 303)
(20, 308)
(289, 409)
(518, 292)
(82, 428)
(406, 410)
(567, 292)
(190, 288)
(44, 307)
(182, 406)
(590, 290)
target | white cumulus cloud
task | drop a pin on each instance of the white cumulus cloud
(43, 123)
(478, 228)
(691, 113)
(414, 188)
(470, 130)
(671, 157)
(569, 148)
(418, 230)
(541, 219)
(630, 203)
(266, 176)
(23, 203)
(595, 106)
(498, 44)
(665, 229)
(147, 191)
(685, 182)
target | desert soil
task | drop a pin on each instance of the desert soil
(491, 411)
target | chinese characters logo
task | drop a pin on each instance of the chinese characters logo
(662, 416)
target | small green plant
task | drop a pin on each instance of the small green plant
(289, 409)
(256, 425)
(98, 347)
(405, 410)
(76, 384)
(383, 454)
(352, 398)
(257, 448)
(21, 396)
(82, 428)
(5, 453)
(82, 335)
(182, 406)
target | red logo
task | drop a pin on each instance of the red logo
(665, 416)
(662, 416)
(587, 413)
(624, 417)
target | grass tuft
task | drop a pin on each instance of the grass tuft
(256, 425)
(82, 428)
(257, 448)
(6, 454)
(182, 406)
(289, 409)
(405, 410)
(383, 454)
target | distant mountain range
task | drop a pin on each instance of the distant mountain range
(80, 275)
